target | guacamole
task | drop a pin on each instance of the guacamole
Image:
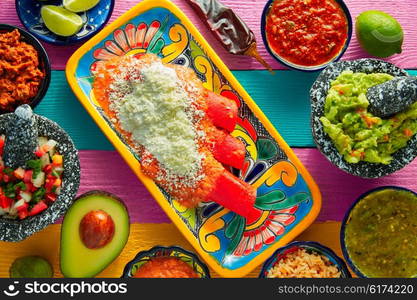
(357, 134)
(381, 234)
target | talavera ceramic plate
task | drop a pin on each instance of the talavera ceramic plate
(291, 200)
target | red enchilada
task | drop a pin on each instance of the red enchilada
(180, 130)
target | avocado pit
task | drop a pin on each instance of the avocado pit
(96, 229)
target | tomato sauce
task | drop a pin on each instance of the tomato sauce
(306, 32)
(165, 267)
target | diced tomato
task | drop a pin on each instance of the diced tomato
(231, 151)
(6, 178)
(5, 202)
(236, 195)
(40, 152)
(39, 207)
(49, 183)
(408, 132)
(50, 197)
(30, 187)
(1, 146)
(27, 178)
(57, 160)
(24, 206)
(23, 214)
(47, 169)
(222, 111)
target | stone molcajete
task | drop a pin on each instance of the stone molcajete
(22, 130)
(318, 94)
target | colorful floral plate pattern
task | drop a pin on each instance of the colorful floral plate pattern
(286, 193)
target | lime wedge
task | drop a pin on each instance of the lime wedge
(61, 21)
(80, 5)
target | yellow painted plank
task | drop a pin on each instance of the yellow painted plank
(142, 237)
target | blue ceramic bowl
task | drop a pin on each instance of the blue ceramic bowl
(312, 246)
(301, 67)
(29, 12)
(159, 251)
(346, 219)
(44, 63)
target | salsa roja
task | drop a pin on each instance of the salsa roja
(165, 267)
(306, 32)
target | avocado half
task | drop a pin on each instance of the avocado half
(77, 260)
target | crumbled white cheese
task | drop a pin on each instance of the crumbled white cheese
(156, 110)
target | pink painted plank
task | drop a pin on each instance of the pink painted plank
(340, 189)
(250, 11)
(106, 170)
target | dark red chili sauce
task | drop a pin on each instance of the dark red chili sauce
(306, 32)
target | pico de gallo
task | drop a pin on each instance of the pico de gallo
(306, 32)
(28, 190)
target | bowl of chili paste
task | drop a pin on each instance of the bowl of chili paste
(306, 35)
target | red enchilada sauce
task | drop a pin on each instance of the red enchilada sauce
(306, 32)
(165, 267)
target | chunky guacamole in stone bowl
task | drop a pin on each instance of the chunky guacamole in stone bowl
(352, 138)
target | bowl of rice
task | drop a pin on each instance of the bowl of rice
(304, 260)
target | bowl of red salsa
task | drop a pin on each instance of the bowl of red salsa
(166, 262)
(306, 35)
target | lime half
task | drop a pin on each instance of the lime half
(80, 5)
(60, 20)
(379, 33)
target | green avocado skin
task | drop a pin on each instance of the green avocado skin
(78, 261)
(31, 267)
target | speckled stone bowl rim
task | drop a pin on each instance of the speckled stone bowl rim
(67, 42)
(325, 145)
(21, 229)
(151, 253)
(340, 264)
(293, 66)
(346, 220)
(43, 61)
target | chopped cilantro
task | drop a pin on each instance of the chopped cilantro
(8, 171)
(20, 185)
(38, 195)
(35, 165)
(9, 190)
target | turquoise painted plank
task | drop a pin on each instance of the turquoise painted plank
(283, 97)
(61, 106)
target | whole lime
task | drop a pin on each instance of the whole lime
(379, 33)
(31, 267)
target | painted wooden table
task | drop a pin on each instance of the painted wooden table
(284, 99)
